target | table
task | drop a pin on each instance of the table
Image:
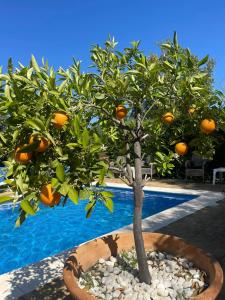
(217, 170)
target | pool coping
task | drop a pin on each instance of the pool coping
(21, 281)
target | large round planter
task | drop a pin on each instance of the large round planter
(86, 255)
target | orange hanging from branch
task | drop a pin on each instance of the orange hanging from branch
(121, 112)
(168, 118)
(48, 196)
(22, 158)
(43, 143)
(207, 126)
(181, 148)
(59, 119)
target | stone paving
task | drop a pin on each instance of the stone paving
(204, 228)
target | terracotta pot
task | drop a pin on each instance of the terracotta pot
(86, 255)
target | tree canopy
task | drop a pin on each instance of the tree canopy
(175, 81)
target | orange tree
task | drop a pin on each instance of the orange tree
(55, 124)
(51, 148)
(146, 98)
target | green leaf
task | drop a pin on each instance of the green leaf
(62, 86)
(29, 73)
(103, 164)
(160, 155)
(84, 194)
(196, 88)
(167, 64)
(19, 183)
(5, 198)
(15, 135)
(134, 72)
(166, 46)
(72, 145)
(200, 75)
(175, 42)
(95, 148)
(20, 219)
(97, 138)
(10, 171)
(76, 125)
(29, 148)
(36, 124)
(85, 138)
(62, 104)
(7, 92)
(34, 64)
(109, 204)
(59, 151)
(21, 78)
(2, 138)
(73, 194)
(26, 206)
(64, 189)
(4, 77)
(48, 135)
(54, 182)
(10, 65)
(101, 176)
(9, 181)
(107, 194)
(60, 173)
(203, 61)
(89, 208)
(99, 96)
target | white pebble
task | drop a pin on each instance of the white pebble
(101, 261)
(116, 294)
(171, 278)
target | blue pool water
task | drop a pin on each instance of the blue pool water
(2, 174)
(53, 230)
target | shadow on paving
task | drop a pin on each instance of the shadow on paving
(33, 279)
(55, 290)
(205, 229)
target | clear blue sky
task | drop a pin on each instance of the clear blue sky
(60, 30)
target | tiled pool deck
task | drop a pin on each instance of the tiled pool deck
(200, 222)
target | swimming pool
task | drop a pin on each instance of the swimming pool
(54, 230)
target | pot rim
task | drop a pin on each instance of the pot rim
(175, 245)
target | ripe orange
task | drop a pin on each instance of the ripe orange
(168, 118)
(208, 126)
(59, 119)
(48, 196)
(22, 158)
(43, 145)
(121, 112)
(181, 148)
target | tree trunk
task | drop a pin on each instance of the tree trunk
(144, 275)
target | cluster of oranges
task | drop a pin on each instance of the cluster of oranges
(59, 120)
(47, 196)
(207, 126)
